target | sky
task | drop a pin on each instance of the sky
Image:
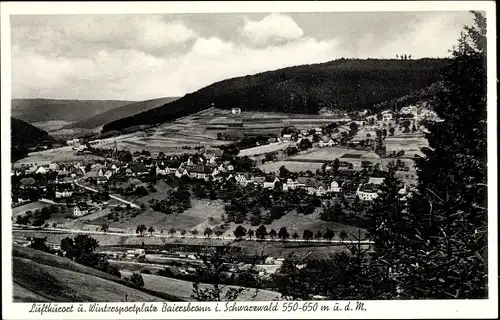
(140, 57)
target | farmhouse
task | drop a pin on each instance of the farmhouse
(64, 193)
(270, 182)
(101, 180)
(181, 172)
(376, 180)
(236, 111)
(137, 169)
(199, 172)
(328, 143)
(173, 165)
(409, 110)
(334, 187)
(40, 170)
(213, 155)
(80, 209)
(224, 176)
(291, 184)
(387, 116)
(244, 178)
(367, 192)
(64, 180)
(321, 188)
(162, 170)
(308, 183)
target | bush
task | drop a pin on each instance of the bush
(136, 280)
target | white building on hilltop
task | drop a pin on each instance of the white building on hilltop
(235, 110)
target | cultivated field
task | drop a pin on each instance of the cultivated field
(169, 138)
(294, 166)
(32, 206)
(201, 129)
(64, 154)
(409, 143)
(325, 154)
(272, 147)
(196, 217)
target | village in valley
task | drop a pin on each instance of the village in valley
(298, 183)
(239, 161)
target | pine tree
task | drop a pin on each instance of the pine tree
(443, 250)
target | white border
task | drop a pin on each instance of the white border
(376, 309)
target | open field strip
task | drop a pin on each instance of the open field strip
(326, 153)
(64, 154)
(294, 166)
(32, 206)
(264, 149)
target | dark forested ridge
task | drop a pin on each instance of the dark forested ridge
(344, 84)
(23, 136)
(120, 112)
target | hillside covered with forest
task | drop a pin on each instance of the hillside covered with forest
(344, 84)
(24, 135)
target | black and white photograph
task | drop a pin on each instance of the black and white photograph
(248, 156)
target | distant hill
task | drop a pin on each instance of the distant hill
(38, 110)
(39, 276)
(344, 84)
(120, 112)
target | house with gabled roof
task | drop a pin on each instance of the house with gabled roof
(270, 181)
(102, 180)
(291, 184)
(376, 180)
(172, 165)
(244, 178)
(181, 172)
(40, 170)
(335, 187)
(199, 172)
(162, 170)
(367, 192)
(137, 169)
(321, 188)
(224, 176)
(81, 209)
